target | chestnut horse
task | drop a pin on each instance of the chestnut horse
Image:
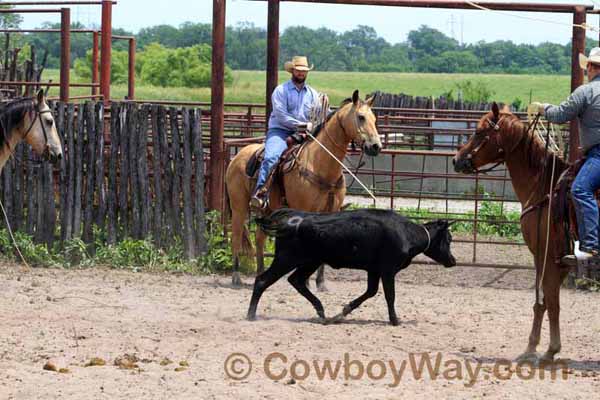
(316, 182)
(29, 119)
(501, 137)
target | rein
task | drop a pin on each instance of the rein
(496, 127)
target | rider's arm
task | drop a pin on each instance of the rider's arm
(568, 109)
(280, 112)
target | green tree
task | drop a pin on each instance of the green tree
(429, 41)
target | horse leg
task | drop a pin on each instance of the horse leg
(552, 299)
(321, 279)
(238, 219)
(260, 250)
(279, 267)
(372, 286)
(299, 279)
(534, 337)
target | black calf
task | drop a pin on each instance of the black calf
(378, 241)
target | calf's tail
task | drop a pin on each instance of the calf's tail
(284, 222)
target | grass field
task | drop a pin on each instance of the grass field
(249, 86)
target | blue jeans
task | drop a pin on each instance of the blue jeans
(275, 145)
(586, 208)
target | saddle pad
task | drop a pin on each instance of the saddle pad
(284, 165)
(254, 162)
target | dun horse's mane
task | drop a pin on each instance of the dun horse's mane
(331, 114)
(11, 115)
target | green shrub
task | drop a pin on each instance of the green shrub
(474, 91)
(160, 66)
(119, 67)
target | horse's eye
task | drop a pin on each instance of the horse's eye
(49, 122)
(361, 118)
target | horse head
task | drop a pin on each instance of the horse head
(359, 124)
(39, 130)
(494, 137)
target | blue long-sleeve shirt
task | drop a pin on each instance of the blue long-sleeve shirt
(291, 106)
(584, 103)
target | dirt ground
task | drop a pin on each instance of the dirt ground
(177, 331)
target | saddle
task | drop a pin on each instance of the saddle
(563, 209)
(284, 165)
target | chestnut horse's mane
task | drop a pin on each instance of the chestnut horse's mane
(535, 148)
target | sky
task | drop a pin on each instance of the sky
(392, 23)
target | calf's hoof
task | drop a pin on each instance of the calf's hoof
(336, 318)
(236, 281)
(321, 287)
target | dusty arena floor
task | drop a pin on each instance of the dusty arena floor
(165, 336)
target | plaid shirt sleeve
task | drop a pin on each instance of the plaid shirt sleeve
(568, 109)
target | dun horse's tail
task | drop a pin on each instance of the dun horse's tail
(227, 209)
(246, 244)
(284, 222)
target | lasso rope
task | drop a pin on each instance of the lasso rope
(540, 283)
(318, 115)
(342, 164)
(12, 237)
(548, 141)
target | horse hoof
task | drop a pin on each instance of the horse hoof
(528, 357)
(547, 357)
(251, 317)
(236, 281)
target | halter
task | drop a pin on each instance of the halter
(495, 126)
(337, 117)
(358, 129)
(37, 116)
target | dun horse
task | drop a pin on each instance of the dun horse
(502, 137)
(316, 182)
(29, 119)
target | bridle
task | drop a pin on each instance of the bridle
(352, 141)
(495, 127)
(36, 117)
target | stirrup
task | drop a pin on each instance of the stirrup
(572, 260)
(257, 204)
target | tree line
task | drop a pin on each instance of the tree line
(361, 49)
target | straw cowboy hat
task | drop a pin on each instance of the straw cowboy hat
(594, 58)
(298, 62)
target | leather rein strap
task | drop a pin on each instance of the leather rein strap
(496, 127)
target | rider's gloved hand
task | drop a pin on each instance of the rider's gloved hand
(535, 108)
(309, 127)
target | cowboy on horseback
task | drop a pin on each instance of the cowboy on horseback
(583, 103)
(292, 104)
